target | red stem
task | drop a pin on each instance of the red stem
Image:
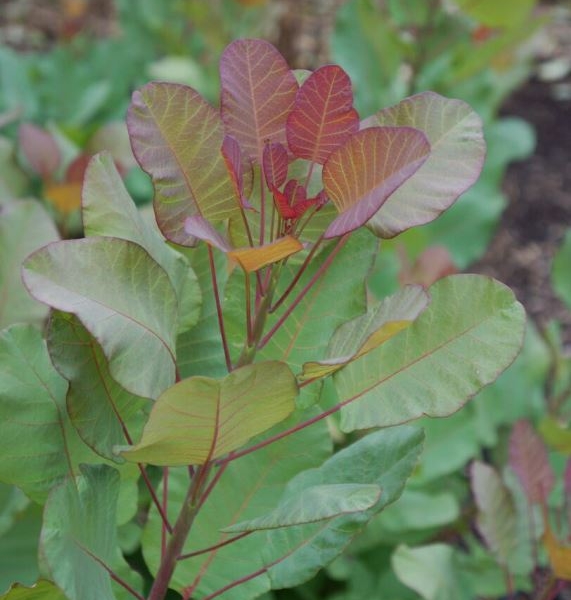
(215, 547)
(298, 275)
(219, 309)
(164, 507)
(342, 241)
(154, 498)
(114, 576)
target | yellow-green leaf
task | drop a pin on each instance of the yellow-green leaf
(200, 419)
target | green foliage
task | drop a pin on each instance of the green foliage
(218, 368)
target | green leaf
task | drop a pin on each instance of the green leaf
(561, 270)
(356, 338)
(384, 458)
(38, 443)
(249, 487)
(200, 351)
(99, 408)
(12, 502)
(79, 531)
(508, 13)
(469, 334)
(42, 590)
(24, 227)
(108, 210)
(184, 160)
(200, 419)
(496, 518)
(19, 548)
(313, 504)
(430, 571)
(457, 153)
(122, 296)
(338, 296)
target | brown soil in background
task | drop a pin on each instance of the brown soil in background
(539, 210)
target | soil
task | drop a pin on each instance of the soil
(539, 211)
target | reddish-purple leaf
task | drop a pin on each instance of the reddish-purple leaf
(360, 175)
(176, 137)
(528, 458)
(295, 192)
(275, 162)
(76, 169)
(323, 117)
(258, 93)
(239, 167)
(201, 229)
(40, 149)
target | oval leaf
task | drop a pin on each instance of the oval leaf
(38, 443)
(24, 227)
(457, 154)
(254, 259)
(472, 331)
(360, 175)
(365, 333)
(275, 164)
(100, 409)
(257, 95)
(496, 519)
(176, 137)
(108, 210)
(323, 117)
(79, 533)
(40, 149)
(200, 419)
(122, 296)
(528, 458)
(313, 504)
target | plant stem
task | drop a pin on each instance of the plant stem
(216, 546)
(181, 530)
(219, 309)
(154, 498)
(165, 509)
(342, 241)
(297, 276)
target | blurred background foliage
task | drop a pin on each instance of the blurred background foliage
(67, 69)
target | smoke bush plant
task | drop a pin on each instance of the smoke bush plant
(185, 386)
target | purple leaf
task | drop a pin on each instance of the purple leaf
(40, 149)
(275, 163)
(239, 167)
(176, 137)
(361, 175)
(323, 117)
(258, 93)
(528, 458)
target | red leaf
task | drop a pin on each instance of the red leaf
(275, 162)
(76, 170)
(294, 192)
(528, 458)
(258, 93)
(40, 149)
(282, 204)
(323, 117)
(361, 175)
